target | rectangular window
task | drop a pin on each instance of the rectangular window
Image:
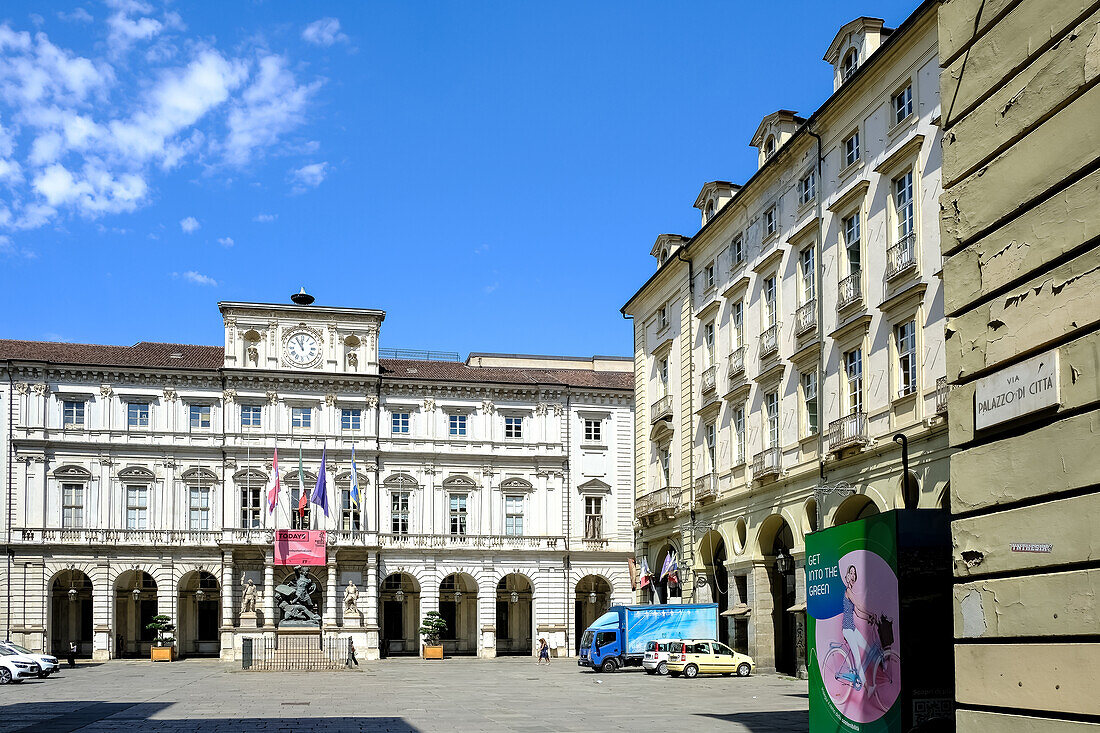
(250, 506)
(771, 412)
(250, 417)
(739, 433)
(662, 370)
(351, 419)
(903, 104)
(708, 276)
(137, 507)
(301, 418)
(200, 417)
(737, 316)
(458, 515)
(806, 188)
(770, 222)
(593, 431)
(737, 250)
(663, 458)
(399, 512)
(662, 317)
(770, 310)
(137, 414)
(809, 401)
(851, 242)
(806, 269)
(72, 505)
(513, 516)
(708, 342)
(853, 370)
(513, 428)
(710, 435)
(593, 517)
(299, 520)
(851, 149)
(199, 508)
(905, 338)
(903, 204)
(72, 414)
(399, 423)
(349, 515)
(456, 425)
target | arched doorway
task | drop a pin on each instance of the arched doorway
(712, 552)
(781, 575)
(135, 607)
(514, 617)
(399, 605)
(857, 506)
(71, 613)
(666, 586)
(199, 615)
(458, 607)
(592, 598)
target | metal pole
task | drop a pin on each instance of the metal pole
(904, 442)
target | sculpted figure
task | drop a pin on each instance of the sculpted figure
(248, 597)
(351, 599)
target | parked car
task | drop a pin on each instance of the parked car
(655, 660)
(47, 665)
(17, 667)
(694, 657)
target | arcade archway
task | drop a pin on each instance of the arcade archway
(399, 609)
(712, 553)
(514, 621)
(71, 613)
(199, 615)
(458, 607)
(591, 598)
(135, 607)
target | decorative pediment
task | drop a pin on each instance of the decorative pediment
(250, 476)
(459, 481)
(136, 473)
(199, 475)
(78, 473)
(291, 478)
(345, 477)
(594, 486)
(401, 481)
(515, 483)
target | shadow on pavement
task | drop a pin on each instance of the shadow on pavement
(766, 722)
(57, 717)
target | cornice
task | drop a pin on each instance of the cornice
(741, 283)
(774, 258)
(848, 199)
(709, 309)
(894, 304)
(907, 150)
(845, 331)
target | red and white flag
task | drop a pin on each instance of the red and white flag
(273, 492)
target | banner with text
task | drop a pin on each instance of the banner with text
(300, 546)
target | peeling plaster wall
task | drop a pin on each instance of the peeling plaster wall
(1020, 219)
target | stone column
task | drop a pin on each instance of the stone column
(761, 624)
(229, 593)
(268, 602)
(487, 620)
(331, 600)
(103, 611)
(371, 618)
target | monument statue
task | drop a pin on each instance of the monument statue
(351, 599)
(295, 600)
(703, 592)
(248, 597)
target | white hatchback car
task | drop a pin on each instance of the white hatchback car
(47, 664)
(16, 668)
(655, 660)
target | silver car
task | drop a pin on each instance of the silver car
(47, 665)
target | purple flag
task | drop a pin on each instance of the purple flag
(320, 496)
(669, 564)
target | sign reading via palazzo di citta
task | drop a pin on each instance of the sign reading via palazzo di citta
(1019, 390)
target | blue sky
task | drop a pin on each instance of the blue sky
(492, 174)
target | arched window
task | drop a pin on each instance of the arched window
(849, 65)
(769, 146)
(710, 210)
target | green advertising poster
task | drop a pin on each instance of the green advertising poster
(852, 612)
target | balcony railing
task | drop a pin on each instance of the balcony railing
(470, 541)
(710, 379)
(767, 463)
(661, 409)
(769, 341)
(901, 257)
(942, 388)
(706, 487)
(594, 543)
(136, 537)
(806, 317)
(848, 431)
(848, 291)
(736, 362)
(658, 501)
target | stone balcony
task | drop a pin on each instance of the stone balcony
(709, 380)
(848, 432)
(736, 362)
(661, 409)
(469, 542)
(805, 318)
(769, 342)
(767, 464)
(706, 488)
(942, 390)
(658, 505)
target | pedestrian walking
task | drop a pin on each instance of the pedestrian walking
(351, 653)
(72, 653)
(544, 652)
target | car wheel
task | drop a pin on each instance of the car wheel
(691, 671)
(662, 668)
(744, 669)
(5, 675)
(608, 665)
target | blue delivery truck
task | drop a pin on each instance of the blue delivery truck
(618, 638)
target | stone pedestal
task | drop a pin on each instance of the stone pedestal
(488, 642)
(353, 620)
(248, 620)
(370, 649)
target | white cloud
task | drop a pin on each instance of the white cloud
(225, 241)
(195, 277)
(490, 288)
(324, 32)
(8, 249)
(272, 104)
(78, 15)
(189, 224)
(309, 176)
(265, 218)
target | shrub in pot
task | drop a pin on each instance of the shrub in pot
(432, 628)
(163, 648)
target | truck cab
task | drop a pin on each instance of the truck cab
(602, 644)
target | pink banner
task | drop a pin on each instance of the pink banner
(300, 547)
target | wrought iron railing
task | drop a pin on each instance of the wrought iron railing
(142, 537)
(768, 462)
(661, 409)
(736, 362)
(470, 541)
(769, 341)
(709, 380)
(942, 389)
(848, 431)
(806, 317)
(706, 487)
(657, 501)
(902, 256)
(297, 652)
(848, 291)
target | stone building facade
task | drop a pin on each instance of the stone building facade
(497, 491)
(1021, 229)
(780, 348)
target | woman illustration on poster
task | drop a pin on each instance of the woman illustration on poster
(856, 642)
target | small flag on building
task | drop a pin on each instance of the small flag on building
(669, 567)
(320, 495)
(646, 573)
(354, 481)
(273, 492)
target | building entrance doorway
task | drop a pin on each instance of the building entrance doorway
(591, 599)
(199, 615)
(71, 614)
(458, 607)
(135, 607)
(514, 616)
(399, 605)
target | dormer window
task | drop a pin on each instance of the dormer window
(664, 255)
(710, 209)
(849, 65)
(769, 146)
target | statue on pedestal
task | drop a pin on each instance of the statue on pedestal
(248, 597)
(296, 602)
(351, 600)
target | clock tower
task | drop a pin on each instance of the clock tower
(301, 337)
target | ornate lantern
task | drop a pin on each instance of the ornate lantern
(458, 596)
(515, 597)
(592, 597)
(399, 595)
(783, 562)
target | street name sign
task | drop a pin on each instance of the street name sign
(1019, 390)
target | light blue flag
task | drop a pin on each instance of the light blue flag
(320, 495)
(354, 481)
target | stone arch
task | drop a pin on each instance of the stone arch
(251, 475)
(515, 483)
(72, 472)
(199, 604)
(811, 518)
(514, 614)
(459, 481)
(136, 473)
(592, 594)
(856, 506)
(458, 604)
(70, 610)
(199, 474)
(399, 597)
(663, 586)
(135, 593)
(943, 497)
(401, 481)
(907, 493)
(769, 530)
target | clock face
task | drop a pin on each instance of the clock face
(302, 348)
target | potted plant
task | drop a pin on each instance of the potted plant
(163, 649)
(432, 629)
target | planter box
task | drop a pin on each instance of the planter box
(162, 654)
(433, 652)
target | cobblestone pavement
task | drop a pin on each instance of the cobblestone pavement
(399, 695)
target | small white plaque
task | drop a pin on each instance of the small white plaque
(1019, 390)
